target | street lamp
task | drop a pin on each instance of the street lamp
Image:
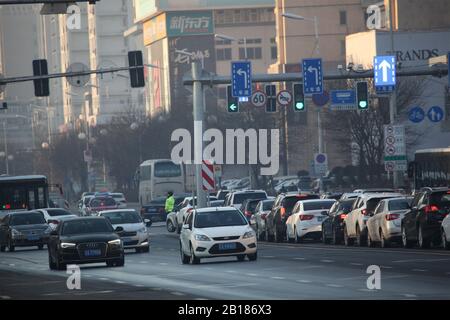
(45, 145)
(232, 39)
(135, 126)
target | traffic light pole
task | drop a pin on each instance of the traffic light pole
(198, 110)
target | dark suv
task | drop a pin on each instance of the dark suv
(281, 210)
(422, 223)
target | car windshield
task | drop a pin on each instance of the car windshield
(86, 200)
(251, 205)
(372, 203)
(241, 197)
(400, 204)
(219, 219)
(440, 199)
(157, 202)
(122, 217)
(27, 219)
(346, 206)
(320, 205)
(167, 170)
(86, 226)
(221, 195)
(58, 212)
(267, 205)
(103, 202)
(118, 196)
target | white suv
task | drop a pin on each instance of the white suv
(355, 223)
(235, 199)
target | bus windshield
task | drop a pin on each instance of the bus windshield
(167, 170)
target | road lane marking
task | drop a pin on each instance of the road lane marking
(163, 264)
(120, 282)
(5, 297)
(420, 260)
(299, 259)
(104, 279)
(252, 274)
(139, 285)
(268, 257)
(419, 270)
(386, 267)
(277, 278)
(327, 261)
(332, 285)
(143, 262)
(356, 264)
(409, 295)
(304, 281)
(178, 294)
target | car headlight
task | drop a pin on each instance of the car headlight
(66, 245)
(116, 242)
(248, 234)
(201, 237)
(15, 233)
(142, 230)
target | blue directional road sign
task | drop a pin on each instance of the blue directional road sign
(343, 100)
(385, 70)
(416, 115)
(241, 78)
(312, 76)
(435, 114)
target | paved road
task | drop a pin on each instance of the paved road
(283, 271)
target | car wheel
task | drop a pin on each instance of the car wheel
(145, 249)
(423, 243)
(40, 247)
(193, 258)
(325, 240)
(370, 243)
(383, 241)
(347, 240)
(169, 225)
(120, 262)
(360, 238)
(296, 237)
(184, 258)
(241, 257)
(253, 256)
(51, 264)
(445, 243)
(405, 242)
(2, 248)
(11, 247)
(336, 240)
(59, 264)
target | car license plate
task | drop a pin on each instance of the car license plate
(227, 246)
(33, 238)
(92, 253)
(151, 210)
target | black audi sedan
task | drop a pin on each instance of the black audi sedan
(85, 240)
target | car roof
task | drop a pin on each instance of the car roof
(216, 209)
(16, 213)
(369, 196)
(317, 200)
(86, 218)
(248, 191)
(117, 210)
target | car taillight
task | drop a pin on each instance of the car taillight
(283, 211)
(343, 216)
(263, 216)
(305, 217)
(248, 213)
(392, 216)
(364, 212)
(431, 209)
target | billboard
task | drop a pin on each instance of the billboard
(189, 23)
(155, 29)
(158, 78)
(200, 47)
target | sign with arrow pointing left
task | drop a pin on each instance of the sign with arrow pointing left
(385, 72)
(241, 78)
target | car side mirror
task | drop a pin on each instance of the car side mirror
(119, 229)
(147, 221)
(186, 226)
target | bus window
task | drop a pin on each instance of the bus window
(145, 173)
(13, 198)
(167, 170)
(31, 200)
(41, 198)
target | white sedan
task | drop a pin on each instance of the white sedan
(135, 233)
(217, 232)
(306, 219)
(53, 216)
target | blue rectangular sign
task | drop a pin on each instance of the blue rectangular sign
(241, 78)
(343, 97)
(385, 71)
(312, 76)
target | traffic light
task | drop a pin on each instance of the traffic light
(299, 98)
(136, 63)
(233, 103)
(271, 93)
(362, 95)
(41, 86)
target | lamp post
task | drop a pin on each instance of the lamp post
(292, 16)
(232, 39)
(135, 127)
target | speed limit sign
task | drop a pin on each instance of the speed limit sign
(259, 98)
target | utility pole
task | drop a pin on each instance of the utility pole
(198, 110)
(5, 140)
(393, 97)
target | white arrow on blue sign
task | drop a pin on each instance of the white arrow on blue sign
(385, 70)
(435, 114)
(312, 76)
(241, 78)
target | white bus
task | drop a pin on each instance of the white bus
(157, 177)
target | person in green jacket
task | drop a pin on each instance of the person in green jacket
(170, 202)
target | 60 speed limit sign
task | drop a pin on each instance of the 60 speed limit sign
(259, 99)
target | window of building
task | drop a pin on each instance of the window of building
(342, 47)
(252, 53)
(222, 42)
(274, 53)
(343, 17)
(223, 54)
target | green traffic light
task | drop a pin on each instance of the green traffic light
(363, 104)
(299, 105)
